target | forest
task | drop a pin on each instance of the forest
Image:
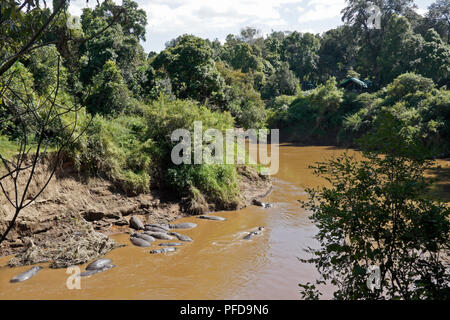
(288, 80)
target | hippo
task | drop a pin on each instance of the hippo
(254, 233)
(250, 235)
(185, 225)
(181, 237)
(262, 204)
(164, 227)
(155, 229)
(136, 223)
(143, 236)
(215, 218)
(89, 273)
(99, 264)
(159, 235)
(26, 275)
(170, 244)
(140, 242)
(163, 250)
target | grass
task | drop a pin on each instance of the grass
(8, 148)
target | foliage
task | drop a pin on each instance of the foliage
(43, 65)
(282, 82)
(110, 94)
(301, 52)
(398, 49)
(435, 57)
(241, 99)
(119, 42)
(241, 56)
(191, 69)
(376, 213)
(338, 52)
(420, 108)
(116, 150)
(438, 16)
(218, 182)
(313, 114)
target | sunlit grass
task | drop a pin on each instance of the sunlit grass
(8, 148)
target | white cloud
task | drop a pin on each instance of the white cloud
(198, 15)
(167, 19)
(421, 11)
(317, 10)
(76, 6)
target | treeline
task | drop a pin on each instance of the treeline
(287, 80)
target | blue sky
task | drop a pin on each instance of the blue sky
(212, 19)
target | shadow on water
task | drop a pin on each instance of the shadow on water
(322, 146)
(440, 188)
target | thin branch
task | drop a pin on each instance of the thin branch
(33, 39)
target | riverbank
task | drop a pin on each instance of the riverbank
(72, 220)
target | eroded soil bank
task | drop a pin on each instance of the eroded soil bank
(70, 223)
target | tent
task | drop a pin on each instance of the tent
(353, 84)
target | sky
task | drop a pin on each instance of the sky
(168, 19)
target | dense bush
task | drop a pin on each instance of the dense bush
(216, 183)
(117, 150)
(313, 115)
(282, 82)
(241, 99)
(375, 213)
(110, 94)
(412, 100)
(132, 150)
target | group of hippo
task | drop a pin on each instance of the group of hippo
(151, 232)
(97, 266)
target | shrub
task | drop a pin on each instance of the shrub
(316, 114)
(216, 183)
(376, 214)
(411, 100)
(117, 150)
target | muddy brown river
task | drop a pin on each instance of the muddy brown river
(219, 264)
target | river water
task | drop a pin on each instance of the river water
(219, 264)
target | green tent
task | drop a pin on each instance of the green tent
(353, 84)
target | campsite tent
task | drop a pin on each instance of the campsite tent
(353, 84)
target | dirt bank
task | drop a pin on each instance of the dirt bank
(72, 219)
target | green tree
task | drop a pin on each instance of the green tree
(110, 94)
(192, 70)
(241, 99)
(272, 50)
(301, 52)
(439, 17)
(120, 42)
(282, 82)
(376, 213)
(435, 57)
(23, 25)
(338, 52)
(43, 64)
(241, 56)
(356, 14)
(399, 49)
